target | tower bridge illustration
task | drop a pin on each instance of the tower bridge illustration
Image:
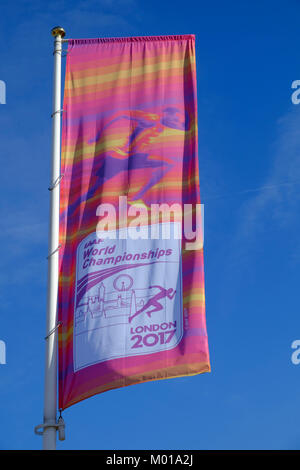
(118, 305)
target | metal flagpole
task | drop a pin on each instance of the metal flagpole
(50, 425)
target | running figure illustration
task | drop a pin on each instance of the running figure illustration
(154, 301)
(133, 152)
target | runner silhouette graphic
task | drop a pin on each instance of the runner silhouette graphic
(154, 302)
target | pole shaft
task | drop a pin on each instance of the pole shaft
(50, 394)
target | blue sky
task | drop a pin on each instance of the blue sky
(249, 147)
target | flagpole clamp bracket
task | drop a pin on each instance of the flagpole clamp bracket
(59, 426)
(53, 329)
(56, 182)
(59, 111)
(56, 249)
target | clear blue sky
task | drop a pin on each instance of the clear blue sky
(249, 146)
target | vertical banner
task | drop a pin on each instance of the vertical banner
(131, 285)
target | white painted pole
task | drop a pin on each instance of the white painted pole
(50, 394)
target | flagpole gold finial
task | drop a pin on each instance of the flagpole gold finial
(58, 31)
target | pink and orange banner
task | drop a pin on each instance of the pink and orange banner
(131, 295)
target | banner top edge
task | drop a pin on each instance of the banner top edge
(132, 39)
